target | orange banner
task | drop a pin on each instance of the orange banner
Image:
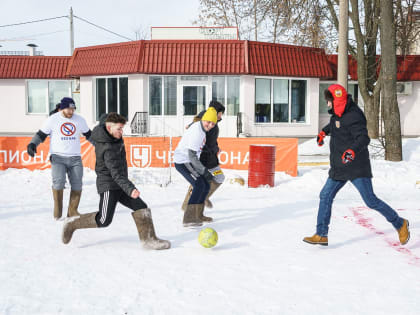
(145, 152)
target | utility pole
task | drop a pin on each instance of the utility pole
(71, 32)
(343, 25)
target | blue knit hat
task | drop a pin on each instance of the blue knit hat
(67, 102)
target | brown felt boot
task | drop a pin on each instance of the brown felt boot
(404, 233)
(213, 188)
(187, 197)
(85, 221)
(144, 223)
(202, 216)
(58, 203)
(192, 215)
(74, 203)
(316, 240)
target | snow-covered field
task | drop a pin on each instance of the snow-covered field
(259, 266)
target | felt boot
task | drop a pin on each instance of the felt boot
(146, 230)
(74, 203)
(192, 215)
(187, 197)
(58, 203)
(213, 188)
(85, 221)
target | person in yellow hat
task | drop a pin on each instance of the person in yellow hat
(187, 163)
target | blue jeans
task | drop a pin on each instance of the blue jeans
(200, 185)
(364, 186)
(70, 165)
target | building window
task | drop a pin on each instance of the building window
(43, 95)
(282, 99)
(226, 91)
(162, 95)
(112, 96)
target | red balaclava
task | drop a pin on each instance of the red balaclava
(339, 94)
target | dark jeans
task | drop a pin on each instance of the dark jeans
(364, 186)
(108, 202)
(200, 185)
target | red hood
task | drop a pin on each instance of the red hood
(339, 94)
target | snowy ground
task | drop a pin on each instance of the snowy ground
(259, 266)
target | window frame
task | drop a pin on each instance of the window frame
(106, 94)
(162, 94)
(47, 109)
(225, 77)
(289, 122)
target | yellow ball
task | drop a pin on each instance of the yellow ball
(207, 237)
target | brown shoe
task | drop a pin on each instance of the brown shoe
(316, 240)
(404, 233)
(58, 203)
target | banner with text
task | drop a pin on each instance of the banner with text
(143, 152)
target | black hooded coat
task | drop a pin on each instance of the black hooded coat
(111, 163)
(348, 132)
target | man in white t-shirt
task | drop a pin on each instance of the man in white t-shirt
(64, 128)
(187, 162)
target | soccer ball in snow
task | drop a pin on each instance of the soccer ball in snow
(207, 237)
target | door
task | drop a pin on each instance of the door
(193, 101)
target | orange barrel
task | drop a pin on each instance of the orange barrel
(262, 165)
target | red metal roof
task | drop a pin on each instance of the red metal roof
(33, 67)
(408, 67)
(200, 57)
(120, 58)
(287, 60)
(193, 57)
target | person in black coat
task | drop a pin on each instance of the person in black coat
(349, 161)
(114, 186)
(209, 156)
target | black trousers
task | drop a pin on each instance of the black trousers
(108, 202)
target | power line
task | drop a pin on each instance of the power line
(102, 28)
(35, 21)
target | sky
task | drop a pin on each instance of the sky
(123, 17)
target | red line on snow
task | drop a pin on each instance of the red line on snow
(365, 222)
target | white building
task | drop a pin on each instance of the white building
(269, 90)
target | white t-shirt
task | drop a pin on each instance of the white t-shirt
(193, 139)
(65, 133)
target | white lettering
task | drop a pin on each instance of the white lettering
(233, 157)
(4, 155)
(246, 158)
(226, 157)
(40, 157)
(163, 157)
(22, 157)
(14, 156)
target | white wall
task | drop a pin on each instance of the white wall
(13, 117)
(410, 111)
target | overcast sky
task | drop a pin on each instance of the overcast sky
(120, 16)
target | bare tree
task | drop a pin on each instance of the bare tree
(393, 147)
(407, 29)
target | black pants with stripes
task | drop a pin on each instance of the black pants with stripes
(108, 203)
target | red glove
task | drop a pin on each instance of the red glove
(348, 156)
(320, 138)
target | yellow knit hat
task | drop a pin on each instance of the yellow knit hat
(210, 115)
